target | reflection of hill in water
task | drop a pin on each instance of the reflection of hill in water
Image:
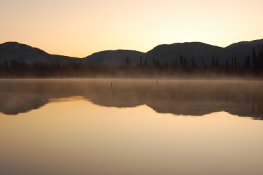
(178, 97)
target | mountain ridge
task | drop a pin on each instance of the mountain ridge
(113, 57)
(203, 54)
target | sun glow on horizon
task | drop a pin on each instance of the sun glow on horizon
(82, 27)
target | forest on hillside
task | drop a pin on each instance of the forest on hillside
(253, 66)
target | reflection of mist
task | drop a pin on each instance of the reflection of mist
(192, 97)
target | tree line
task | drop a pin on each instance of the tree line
(253, 64)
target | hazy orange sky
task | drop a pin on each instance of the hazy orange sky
(81, 27)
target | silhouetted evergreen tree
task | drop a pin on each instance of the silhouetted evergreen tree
(203, 63)
(181, 61)
(127, 62)
(166, 64)
(153, 61)
(248, 62)
(141, 61)
(145, 62)
(260, 57)
(217, 62)
(226, 68)
(185, 64)
(254, 58)
(193, 63)
(213, 62)
(235, 62)
(158, 65)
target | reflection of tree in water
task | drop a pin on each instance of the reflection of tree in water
(178, 97)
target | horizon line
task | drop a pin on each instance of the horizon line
(17, 42)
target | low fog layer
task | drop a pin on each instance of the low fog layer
(180, 97)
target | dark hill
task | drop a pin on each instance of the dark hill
(13, 51)
(114, 58)
(201, 53)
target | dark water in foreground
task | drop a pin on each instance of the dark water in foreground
(131, 127)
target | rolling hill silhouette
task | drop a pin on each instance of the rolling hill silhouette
(11, 51)
(197, 53)
(202, 53)
(113, 58)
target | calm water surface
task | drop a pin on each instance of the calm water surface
(131, 127)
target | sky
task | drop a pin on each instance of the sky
(81, 27)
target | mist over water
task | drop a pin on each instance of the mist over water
(132, 126)
(179, 97)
